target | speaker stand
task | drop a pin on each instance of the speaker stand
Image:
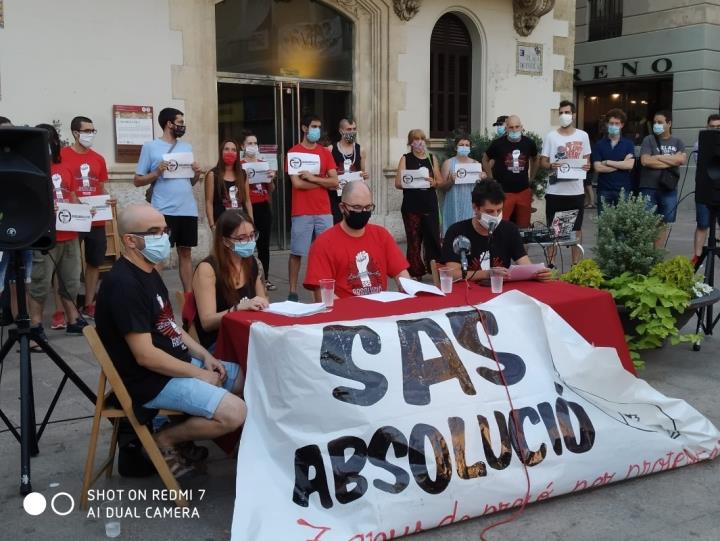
(706, 321)
(29, 436)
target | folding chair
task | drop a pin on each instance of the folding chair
(109, 374)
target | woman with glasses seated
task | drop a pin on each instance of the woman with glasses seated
(228, 280)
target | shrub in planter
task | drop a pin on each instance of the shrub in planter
(585, 273)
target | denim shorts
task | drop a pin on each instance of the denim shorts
(665, 203)
(702, 216)
(7, 270)
(194, 396)
(306, 227)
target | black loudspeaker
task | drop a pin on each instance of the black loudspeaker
(707, 176)
(27, 216)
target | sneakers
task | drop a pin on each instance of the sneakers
(293, 297)
(89, 311)
(58, 321)
(77, 327)
(176, 463)
(37, 333)
(270, 286)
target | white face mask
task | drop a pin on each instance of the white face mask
(86, 139)
(486, 219)
(251, 150)
(566, 119)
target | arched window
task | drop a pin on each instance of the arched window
(450, 76)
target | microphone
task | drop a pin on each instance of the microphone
(491, 227)
(461, 246)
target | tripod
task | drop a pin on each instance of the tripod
(29, 436)
(705, 322)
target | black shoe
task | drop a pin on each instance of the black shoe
(192, 453)
(37, 333)
(77, 327)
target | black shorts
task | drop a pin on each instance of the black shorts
(183, 230)
(94, 245)
(557, 203)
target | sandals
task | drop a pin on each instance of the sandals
(177, 465)
(270, 286)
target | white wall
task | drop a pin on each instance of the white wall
(62, 58)
(502, 91)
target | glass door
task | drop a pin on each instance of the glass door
(272, 109)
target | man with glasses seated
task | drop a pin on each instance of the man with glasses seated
(90, 173)
(357, 255)
(159, 363)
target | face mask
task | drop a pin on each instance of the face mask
(244, 249)
(179, 131)
(350, 136)
(500, 130)
(487, 219)
(229, 157)
(658, 129)
(86, 139)
(515, 135)
(566, 119)
(613, 130)
(251, 150)
(357, 220)
(418, 145)
(463, 150)
(313, 135)
(156, 250)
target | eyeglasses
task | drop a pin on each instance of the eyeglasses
(359, 208)
(154, 233)
(246, 238)
(87, 131)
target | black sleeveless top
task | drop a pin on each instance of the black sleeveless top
(339, 159)
(208, 338)
(220, 203)
(422, 200)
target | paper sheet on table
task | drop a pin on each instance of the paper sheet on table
(413, 179)
(387, 296)
(467, 173)
(179, 165)
(257, 172)
(572, 169)
(73, 217)
(413, 287)
(103, 211)
(303, 161)
(350, 176)
(524, 272)
(295, 309)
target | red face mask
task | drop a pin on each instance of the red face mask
(229, 157)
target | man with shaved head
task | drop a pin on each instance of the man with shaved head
(159, 363)
(348, 157)
(512, 160)
(357, 255)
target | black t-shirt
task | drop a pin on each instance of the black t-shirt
(131, 300)
(512, 162)
(507, 245)
(419, 200)
(208, 338)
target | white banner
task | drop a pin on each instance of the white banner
(350, 176)
(103, 211)
(257, 172)
(572, 169)
(73, 217)
(375, 429)
(468, 173)
(179, 165)
(413, 179)
(303, 161)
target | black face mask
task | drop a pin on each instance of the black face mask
(179, 131)
(357, 220)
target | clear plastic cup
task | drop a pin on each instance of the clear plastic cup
(446, 279)
(496, 279)
(108, 512)
(327, 291)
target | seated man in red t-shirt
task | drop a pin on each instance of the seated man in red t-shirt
(358, 255)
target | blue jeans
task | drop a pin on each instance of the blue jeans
(665, 203)
(5, 258)
(702, 216)
(609, 198)
(194, 396)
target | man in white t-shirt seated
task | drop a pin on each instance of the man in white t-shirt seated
(505, 246)
(566, 143)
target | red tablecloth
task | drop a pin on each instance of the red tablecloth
(591, 312)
